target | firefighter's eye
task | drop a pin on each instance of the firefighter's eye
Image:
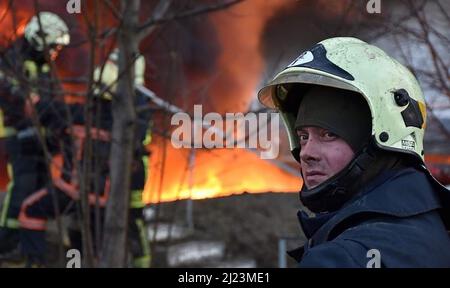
(302, 136)
(327, 135)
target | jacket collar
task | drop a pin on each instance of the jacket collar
(398, 193)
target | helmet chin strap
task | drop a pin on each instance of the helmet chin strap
(334, 192)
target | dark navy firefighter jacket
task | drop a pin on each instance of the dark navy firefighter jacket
(395, 221)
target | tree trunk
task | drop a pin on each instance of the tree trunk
(114, 252)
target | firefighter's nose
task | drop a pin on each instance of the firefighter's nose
(309, 151)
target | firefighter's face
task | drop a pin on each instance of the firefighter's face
(54, 51)
(322, 155)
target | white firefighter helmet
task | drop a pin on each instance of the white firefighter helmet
(51, 28)
(108, 74)
(391, 91)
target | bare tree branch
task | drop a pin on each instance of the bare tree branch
(144, 29)
(159, 12)
(114, 10)
(442, 10)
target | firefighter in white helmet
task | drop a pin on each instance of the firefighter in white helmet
(356, 120)
(25, 80)
(47, 32)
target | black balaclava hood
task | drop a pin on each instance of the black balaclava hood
(346, 114)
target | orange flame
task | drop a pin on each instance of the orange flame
(212, 173)
(13, 25)
(241, 63)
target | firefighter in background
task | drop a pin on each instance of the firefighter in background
(107, 77)
(38, 207)
(24, 80)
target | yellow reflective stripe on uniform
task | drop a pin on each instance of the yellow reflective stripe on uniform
(4, 221)
(5, 206)
(145, 161)
(136, 199)
(2, 124)
(45, 68)
(145, 260)
(142, 262)
(5, 131)
(30, 70)
(148, 138)
(8, 132)
(12, 223)
(9, 170)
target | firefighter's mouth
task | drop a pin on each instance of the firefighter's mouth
(314, 174)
